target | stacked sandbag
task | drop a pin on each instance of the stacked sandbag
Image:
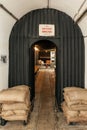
(75, 104)
(0, 108)
(15, 103)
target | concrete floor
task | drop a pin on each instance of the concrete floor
(44, 115)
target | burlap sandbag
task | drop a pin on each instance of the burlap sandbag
(68, 112)
(14, 112)
(77, 96)
(84, 102)
(72, 95)
(69, 102)
(15, 106)
(0, 108)
(27, 99)
(75, 104)
(7, 113)
(24, 88)
(78, 107)
(20, 112)
(72, 88)
(15, 117)
(12, 95)
(83, 114)
(21, 87)
(76, 119)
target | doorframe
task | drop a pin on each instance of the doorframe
(54, 41)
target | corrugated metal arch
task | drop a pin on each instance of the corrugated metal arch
(68, 39)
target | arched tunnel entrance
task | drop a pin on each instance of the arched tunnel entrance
(67, 38)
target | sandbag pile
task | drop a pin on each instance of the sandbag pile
(75, 104)
(15, 103)
(0, 108)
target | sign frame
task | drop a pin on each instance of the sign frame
(47, 30)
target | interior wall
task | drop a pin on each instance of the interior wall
(83, 25)
(6, 24)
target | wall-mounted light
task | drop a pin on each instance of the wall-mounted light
(3, 58)
(36, 49)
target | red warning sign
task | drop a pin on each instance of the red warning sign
(46, 30)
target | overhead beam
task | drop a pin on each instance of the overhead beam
(81, 6)
(85, 36)
(47, 3)
(81, 16)
(7, 11)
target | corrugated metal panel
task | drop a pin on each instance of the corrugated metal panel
(70, 50)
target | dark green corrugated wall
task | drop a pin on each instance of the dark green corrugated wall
(69, 43)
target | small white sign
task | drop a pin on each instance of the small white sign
(46, 30)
